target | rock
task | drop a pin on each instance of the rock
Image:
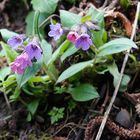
(123, 118)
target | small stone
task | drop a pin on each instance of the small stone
(123, 118)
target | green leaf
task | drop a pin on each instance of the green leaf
(10, 81)
(2, 53)
(86, 18)
(125, 3)
(47, 51)
(116, 46)
(32, 106)
(6, 34)
(39, 79)
(84, 92)
(69, 19)
(113, 69)
(45, 6)
(10, 53)
(99, 38)
(16, 94)
(52, 72)
(70, 51)
(4, 72)
(56, 114)
(29, 22)
(72, 70)
(59, 51)
(97, 15)
(29, 72)
(29, 117)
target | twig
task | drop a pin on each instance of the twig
(104, 4)
(120, 79)
(112, 5)
(69, 125)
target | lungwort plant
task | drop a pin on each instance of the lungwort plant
(38, 71)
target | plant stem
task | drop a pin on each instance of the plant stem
(120, 78)
(43, 24)
(35, 25)
(6, 99)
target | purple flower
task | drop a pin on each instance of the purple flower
(83, 41)
(72, 36)
(56, 31)
(33, 50)
(16, 41)
(20, 64)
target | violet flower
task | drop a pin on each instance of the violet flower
(72, 36)
(16, 41)
(33, 50)
(56, 31)
(20, 64)
(83, 41)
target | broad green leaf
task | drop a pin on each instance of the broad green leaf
(124, 82)
(47, 51)
(29, 72)
(4, 72)
(70, 51)
(9, 52)
(113, 69)
(32, 106)
(72, 70)
(69, 19)
(116, 46)
(45, 6)
(84, 92)
(6, 34)
(97, 15)
(59, 51)
(99, 38)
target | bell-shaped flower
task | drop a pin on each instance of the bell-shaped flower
(33, 50)
(72, 36)
(16, 41)
(56, 31)
(21, 63)
(83, 41)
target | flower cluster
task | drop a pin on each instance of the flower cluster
(30, 52)
(82, 41)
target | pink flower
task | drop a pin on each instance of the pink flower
(72, 36)
(21, 63)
